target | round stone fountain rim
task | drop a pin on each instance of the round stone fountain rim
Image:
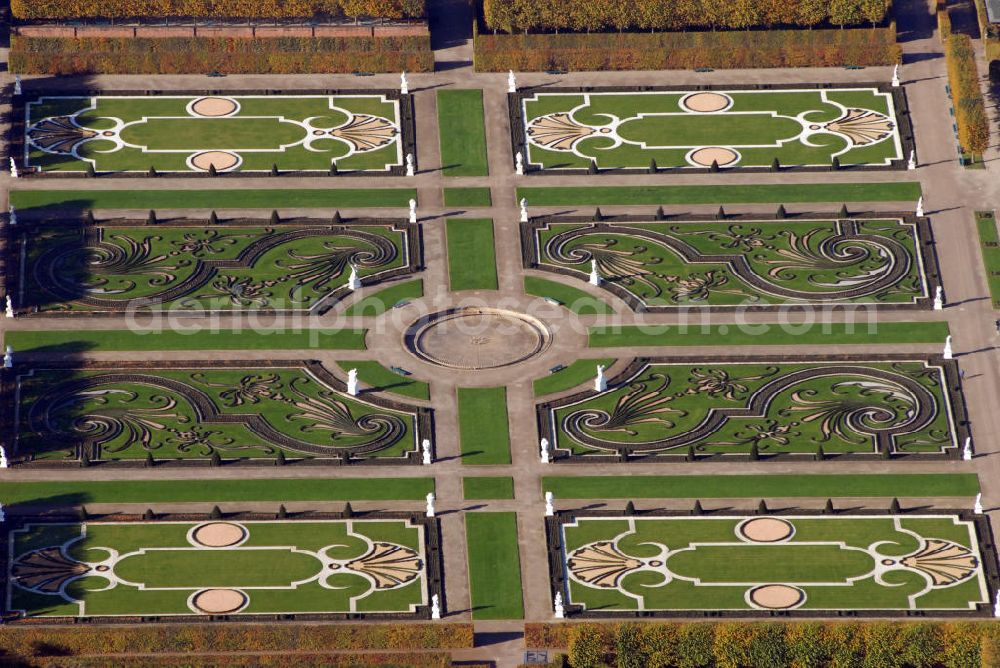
(418, 329)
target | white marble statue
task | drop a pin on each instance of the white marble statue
(939, 299)
(948, 352)
(524, 210)
(545, 450)
(425, 447)
(511, 82)
(4, 463)
(9, 308)
(967, 449)
(404, 85)
(17, 84)
(895, 76)
(920, 207)
(600, 383)
(13, 169)
(352, 382)
(353, 282)
(8, 358)
(410, 171)
(413, 210)
(912, 162)
(550, 509)
(557, 604)
(435, 607)
(519, 164)
(430, 504)
(12, 215)
(977, 506)
(595, 276)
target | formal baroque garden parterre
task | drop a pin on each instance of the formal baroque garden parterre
(835, 405)
(706, 127)
(316, 566)
(742, 261)
(253, 411)
(608, 564)
(367, 132)
(188, 265)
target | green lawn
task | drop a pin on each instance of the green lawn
(382, 379)
(494, 565)
(194, 339)
(573, 375)
(467, 197)
(383, 300)
(577, 301)
(989, 243)
(768, 334)
(485, 488)
(194, 198)
(482, 424)
(463, 132)
(472, 263)
(761, 486)
(835, 193)
(65, 493)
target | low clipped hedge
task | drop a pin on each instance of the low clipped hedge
(687, 50)
(966, 95)
(198, 55)
(765, 644)
(284, 660)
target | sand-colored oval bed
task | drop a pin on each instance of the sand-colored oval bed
(218, 601)
(766, 530)
(219, 534)
(704, 157)
(222, 160)
(213, 107)
(706, 102)
(776, 596)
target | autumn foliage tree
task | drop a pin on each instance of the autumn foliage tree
(970, 108)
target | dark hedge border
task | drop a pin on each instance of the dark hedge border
(519, 141)
(16, 132)
(433, 559)
(926, 249)
(424, 417)
(558, 581)
(13, 238)
(953, 392)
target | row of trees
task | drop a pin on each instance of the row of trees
(596, 15)
(197, 55)
(967, 97)
(246, 9)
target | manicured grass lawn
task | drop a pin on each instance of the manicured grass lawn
(347, 198)
(472, 263)
(989, 243)
(462, 132)
(494, 566)
(382, 379)
(577, 301)
(467, 197)
(761, 486)
(123, 339)
(482, 424)
(487, 487)
(383, 300)
(768, 335)
(575, 374)
(834, 193)
(66, 493)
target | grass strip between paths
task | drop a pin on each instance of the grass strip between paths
(485, 488)
(194, 339)
(472, 263)
(467, 197)
(575, 374)
(989, 243)
(902, 191)
(575, 300)
(759, 486)
(383, 300)
(494, 566)
(262, 198)
(772, 334)
(66, 493)
(462, 132)
(382, 379)
(482, 425)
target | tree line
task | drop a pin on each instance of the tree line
(598, 15)
(264, 9)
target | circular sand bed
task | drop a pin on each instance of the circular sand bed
(222, 160)
(218, 601)
(706, 102)
(213, 107)
(776, 596)
(766, 530)
(218, 534)
(704, 157)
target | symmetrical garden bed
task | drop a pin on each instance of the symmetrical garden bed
(186, 265)
(608, 564)
(173, 412)
(558, 129)
(315, 566)
(743, 261)
(843, 406)
(209, 132)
